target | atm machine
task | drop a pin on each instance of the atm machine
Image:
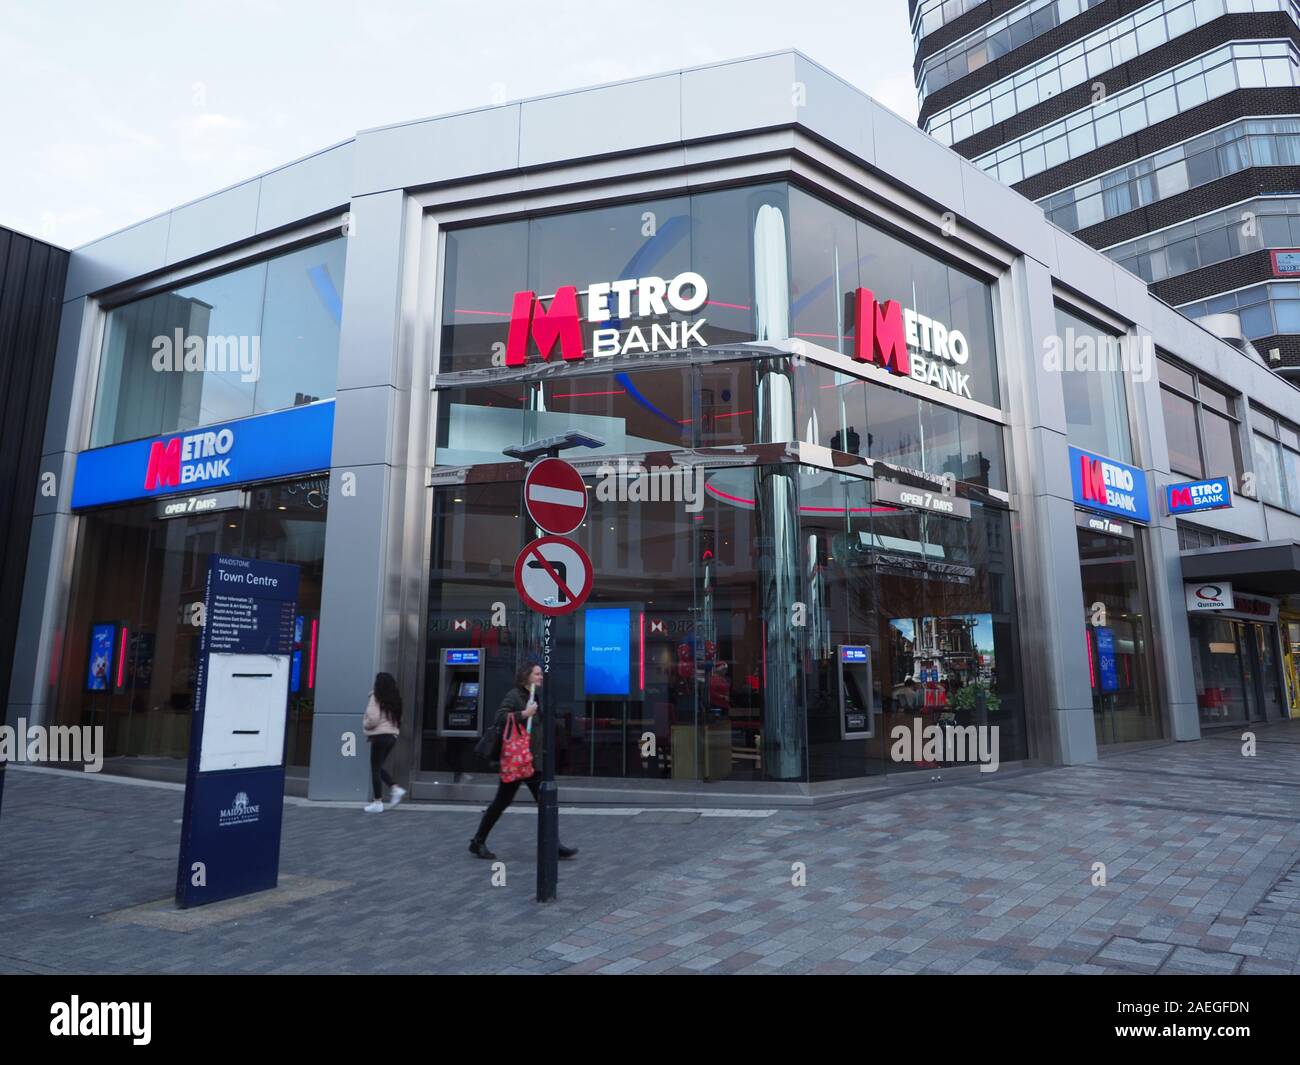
(857, 719)
(460, 692)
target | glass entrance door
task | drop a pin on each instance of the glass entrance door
(1267, 670)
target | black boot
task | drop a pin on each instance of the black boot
(567, 852)
(478, 848)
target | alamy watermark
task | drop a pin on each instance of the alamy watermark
(1084, 352)
(179, 353)
(919, 743)
(634, 483)
(60, 744)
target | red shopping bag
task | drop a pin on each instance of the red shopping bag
(516, 752)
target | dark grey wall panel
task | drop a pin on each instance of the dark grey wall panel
(32, 275)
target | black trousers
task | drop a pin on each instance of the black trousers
(504, 797)
(381, 747)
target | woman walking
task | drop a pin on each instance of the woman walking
(382, 725)
(518, 709)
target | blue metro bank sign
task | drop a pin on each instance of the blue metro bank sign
(287, 442)
(1109, 486)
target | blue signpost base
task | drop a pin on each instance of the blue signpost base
(234, 786)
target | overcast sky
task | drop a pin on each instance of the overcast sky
(113, 112)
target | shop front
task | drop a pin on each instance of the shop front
(1243, 642)
(1112, 502)
(193, 460)
(758, 514)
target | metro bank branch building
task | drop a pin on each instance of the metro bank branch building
(852, 402)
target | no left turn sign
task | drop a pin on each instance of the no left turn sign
(555, 495)
(553, 576)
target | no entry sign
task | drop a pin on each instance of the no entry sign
(555, 495)
(553, 576)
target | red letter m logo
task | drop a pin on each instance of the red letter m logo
(878, 334)
(164, 465)
(1094, 480)
(1180, 497)
(560, 323)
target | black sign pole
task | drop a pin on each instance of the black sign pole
(548, 802)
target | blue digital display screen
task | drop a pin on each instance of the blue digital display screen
(295, 672)
(853, 654)
(463, 658)
(1106, 665)
(607, 656)
(101, 657)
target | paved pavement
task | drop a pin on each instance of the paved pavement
(1200, 847)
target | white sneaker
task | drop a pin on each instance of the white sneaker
(375, 807)
(395, 795)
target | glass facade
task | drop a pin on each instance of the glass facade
(1272, 222)
(257, 339)
(1117, 621)
(1118, 43)
(1237, 669)
(1232, 148)
(730, 602)
(1264, 310)
(726, 237)
(245, 342)
(931, 14)
(929, 595)
(1246, 65)
(130, 646)
(995, 39)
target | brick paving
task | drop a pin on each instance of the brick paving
(1201, 848)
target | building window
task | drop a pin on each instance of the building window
(1096, 404)
(248, 341)
(1195, 537)
(1277, 460)
(1265, 310)
(1205, 158)
(1201, 426)
(995, 39)
(1241, 65)
(1269, 222)
(1118, 43)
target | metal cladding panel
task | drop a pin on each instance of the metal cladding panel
(625, 117)
(32, 276)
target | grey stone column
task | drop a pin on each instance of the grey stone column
(1171, 635)
(1055, 681)
(375, 530)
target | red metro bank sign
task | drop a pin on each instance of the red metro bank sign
(899, 340)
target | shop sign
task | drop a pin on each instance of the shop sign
(909, 344)
(1212, 595)
(560, 324)
(1109, 526)
(1286, 262)
(930, 500)
(1256, 607)
(185, 506)
(1189, 497)
(293, 441)
(1109, 486)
